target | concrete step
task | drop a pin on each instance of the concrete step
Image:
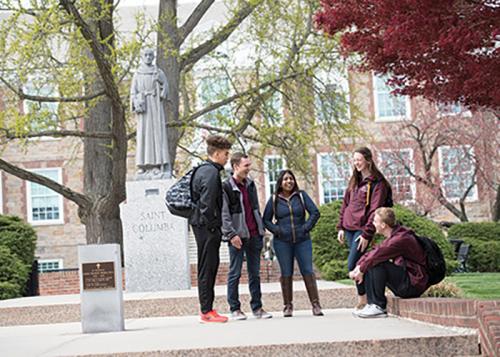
(337, 333)
(66, 308)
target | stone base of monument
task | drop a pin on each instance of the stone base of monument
(101, 291)
(155, 242)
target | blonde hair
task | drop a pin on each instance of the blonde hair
(387, 215)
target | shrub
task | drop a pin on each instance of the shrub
(484, 241)
(13, 274)
(483, 256)
(330, 257)
(19, 237)
(486, 231)
(17, 252)
(443, 289)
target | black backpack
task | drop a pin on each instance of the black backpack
(179, 198)
(436, 265)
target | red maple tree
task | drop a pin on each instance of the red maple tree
(446, 51)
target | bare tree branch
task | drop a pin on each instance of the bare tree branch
(81, 200)
(195, 54)
(57, 134)
(97, 50)
(37, 98)
(194, 19)
(232, 98)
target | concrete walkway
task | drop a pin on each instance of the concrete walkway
(220, 290)
(338, 331)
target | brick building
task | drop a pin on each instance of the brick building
(59, 230)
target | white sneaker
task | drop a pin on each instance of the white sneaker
(372, 311)
(238, 315)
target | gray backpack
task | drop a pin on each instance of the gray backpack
(179, 197)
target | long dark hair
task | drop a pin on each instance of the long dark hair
(279, 182)
(356, 177)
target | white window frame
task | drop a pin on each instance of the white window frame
(319, 158)
(281, 120)
(463, 112)
(54, 93)
(475, 195)
(266, 169)
(29, 200)
(60, 263)
(376, 105)
(413, 185)
(336, 78)
(199, 102)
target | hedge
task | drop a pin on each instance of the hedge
(13, 274)
(484, 241)
(486, 231)
(19, 237)
(17, 253)
(331, 258)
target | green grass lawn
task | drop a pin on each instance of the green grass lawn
(485, 286)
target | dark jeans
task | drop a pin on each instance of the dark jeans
(251, 249)
(287, 251)
(390, 275)
(354, 254)
(208, 263)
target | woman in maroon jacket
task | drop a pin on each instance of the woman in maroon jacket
(399, 263)
(368, 190)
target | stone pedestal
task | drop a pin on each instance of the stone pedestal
(101, 290)
(155, 242)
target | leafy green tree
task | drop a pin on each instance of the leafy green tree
(74, 48)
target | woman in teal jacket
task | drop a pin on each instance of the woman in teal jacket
(285, 217)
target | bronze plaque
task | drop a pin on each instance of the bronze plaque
(98, 276)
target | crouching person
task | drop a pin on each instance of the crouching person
(399, 263)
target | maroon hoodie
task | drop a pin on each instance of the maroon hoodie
(403, 248)
(355, 214)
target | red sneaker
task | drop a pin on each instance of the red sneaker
(212, 316)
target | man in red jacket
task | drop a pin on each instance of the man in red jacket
(398, 262)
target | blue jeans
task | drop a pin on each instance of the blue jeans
(251, 248)
(287, 251)
(354, 254)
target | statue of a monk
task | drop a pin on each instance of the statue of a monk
(148, 91)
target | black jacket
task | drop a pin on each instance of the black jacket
(207, 196)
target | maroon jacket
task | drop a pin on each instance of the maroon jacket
(355, 214)
(403, 248)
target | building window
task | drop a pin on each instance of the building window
(272, 110)
(44, 205)
(45, 265)
(334, 173)
(394, 166)
(213, 89)
(273, 165)
(43, 115)
(388, 106)
(451, 109)
(457, 170)
(331, 99)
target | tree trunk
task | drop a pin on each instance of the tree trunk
(168, 50)
(496, 206)
(104, 161)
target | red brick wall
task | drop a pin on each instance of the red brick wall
(489, 327)
(67, 282)
(483, 315)
(59, 283)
